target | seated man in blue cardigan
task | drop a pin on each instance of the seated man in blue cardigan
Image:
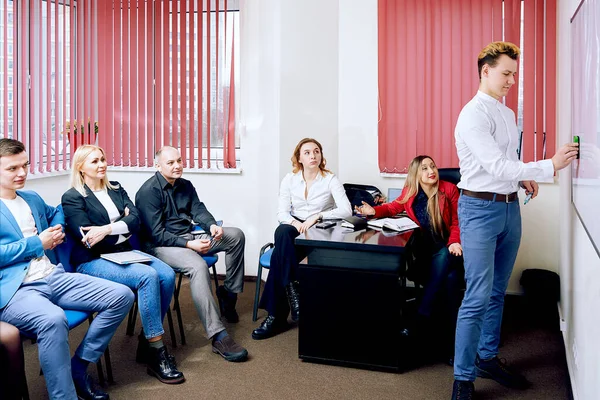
(34, 289)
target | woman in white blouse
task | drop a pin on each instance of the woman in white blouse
(307, 195)
(100, 214)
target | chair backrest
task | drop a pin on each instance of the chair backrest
(451, 175)
(63, 251)
(358, 193)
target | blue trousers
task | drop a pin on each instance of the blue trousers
(490, 233)
(37, 310)
(154, 283)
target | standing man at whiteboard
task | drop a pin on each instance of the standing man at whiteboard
(487, 141)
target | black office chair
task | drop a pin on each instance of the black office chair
(451, 175)
(357, 193)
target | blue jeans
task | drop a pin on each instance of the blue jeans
(490, 233)
(154, 283)
(37, 310)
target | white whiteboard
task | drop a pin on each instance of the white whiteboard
(585, 116)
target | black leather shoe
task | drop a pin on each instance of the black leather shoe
(499, 371)
(463, 390)
(162, 366)
(291, 290)
(227, 304)
(271, 326)
(86, 391)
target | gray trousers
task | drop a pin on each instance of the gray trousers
(193, 265)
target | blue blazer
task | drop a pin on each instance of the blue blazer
(16, 251)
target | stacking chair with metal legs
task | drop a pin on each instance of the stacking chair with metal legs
(264, 261)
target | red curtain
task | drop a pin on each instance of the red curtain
(53, 103)
(428, 71)
(163, 84)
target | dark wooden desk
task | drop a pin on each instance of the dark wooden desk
(352, 297)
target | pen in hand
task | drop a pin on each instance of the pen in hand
(83, 237)
(528, 198)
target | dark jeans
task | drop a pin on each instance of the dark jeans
(284, 269)
(442, 277)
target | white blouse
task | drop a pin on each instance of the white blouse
(118, 228)
(487, 143)
(326, 196)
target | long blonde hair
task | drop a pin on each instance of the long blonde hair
(412, 185)
(79, 157)
(297, 166)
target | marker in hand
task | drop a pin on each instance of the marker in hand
(528, 198)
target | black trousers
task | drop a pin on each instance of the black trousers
(284, 269)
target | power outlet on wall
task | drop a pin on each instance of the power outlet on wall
(563, 325)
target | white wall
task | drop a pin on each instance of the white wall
(579, 262)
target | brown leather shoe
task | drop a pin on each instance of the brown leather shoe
(229, 349)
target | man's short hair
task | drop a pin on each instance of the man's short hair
(490, 54)
(10, 147)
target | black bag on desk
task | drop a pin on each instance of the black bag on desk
(358, 193)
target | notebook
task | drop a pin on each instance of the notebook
(397, 224)
(127, 257)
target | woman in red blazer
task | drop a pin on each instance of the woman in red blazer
(436, 247)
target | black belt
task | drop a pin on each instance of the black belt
(505, 198)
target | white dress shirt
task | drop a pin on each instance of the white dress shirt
(487, 143)
(326, 196)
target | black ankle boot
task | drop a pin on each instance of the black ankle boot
(162, 366)
(294, 299)
(227, 301)
(141, 354)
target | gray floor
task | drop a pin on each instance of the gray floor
(275, 372)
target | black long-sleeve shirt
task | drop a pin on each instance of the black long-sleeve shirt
(167, 211)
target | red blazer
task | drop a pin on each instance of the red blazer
(448, 206)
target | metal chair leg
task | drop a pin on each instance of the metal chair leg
(177, 309)
(101, 378)
(109, 373)
(131, 320)
(215, 276)
(171, 328)
(263, 250)
(257, 292)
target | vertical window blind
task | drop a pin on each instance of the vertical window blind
(130, 75)
(428, 71)
(168, 81)
(47, 78)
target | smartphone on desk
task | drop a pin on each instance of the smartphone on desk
(325, 224)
